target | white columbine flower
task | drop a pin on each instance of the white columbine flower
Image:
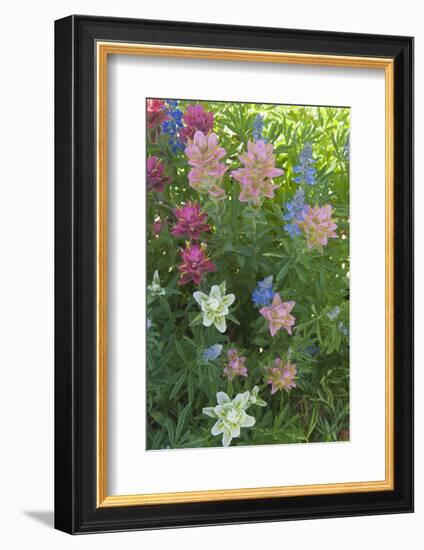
(215, 306)
(254, 399)
(154, 288)
(230, 415)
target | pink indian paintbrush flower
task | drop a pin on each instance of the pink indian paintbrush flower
(256, 176)
(236, 365)
(317, 225)
(204, 154)
(195, 264)
(156, 114)
(191, 221)
(281, 376)
(278, 315)
(195, 118)
(156, 180)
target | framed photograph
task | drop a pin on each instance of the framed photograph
(234, 274)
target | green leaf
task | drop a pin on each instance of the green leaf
(181, 421)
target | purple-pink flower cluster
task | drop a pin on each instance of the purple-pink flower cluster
(156, 179)
(256, 176)
(191, 221)
(281, 376)
(318, 225)
(195, 118)
(278, 315)
(195, 264)
(236, 365)
(204, 155)
(156, 114)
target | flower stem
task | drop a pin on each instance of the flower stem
(255, 212)
(217, 214)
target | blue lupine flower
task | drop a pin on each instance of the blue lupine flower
(149, 323)
(346, 148)
(296, 206)
(305, 168)
(173, 124)
(294, 212)
(312, 349)
(292, 229)
(212, 353)
(263, 293)
(258, 127)
(334, 313)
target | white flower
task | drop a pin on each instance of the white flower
(254, 399)
(215, 306)
(334, 313)
(154, 288)
(231, 416)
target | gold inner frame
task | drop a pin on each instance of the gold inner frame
(104, 49)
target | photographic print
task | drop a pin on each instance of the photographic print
(247, 273)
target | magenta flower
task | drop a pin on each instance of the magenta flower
(278, 315)
(157, 226)
(156, 180)
(318, 225)
(204, 155)
(191, 221)
(195, 118)
(282, 376)
(195, 264)
(156, 114)
(256, 176)
(236, 365)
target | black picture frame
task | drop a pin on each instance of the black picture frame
(76, 510)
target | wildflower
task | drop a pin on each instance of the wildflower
(263, 293)
(156, 180)
(292, 229)
(195, 264)
(282, 376)
(149, 323)
(206, 173)
(154, 288)
(195, 118)
(278, 315)
(334, 313)
(256, 176)
(236, 364)
(191, 221)
(157, 226)
(296, 206)
(156, 114)
(346, 148)
(254, 399)
(343, 329)
(294, 212)
(318, 226)
(231, 416)
(312, 350)
(212, 353)
(215, 306)
(305, 168)
(258, 126)
(172, 126)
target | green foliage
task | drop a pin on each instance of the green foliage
(248, 243)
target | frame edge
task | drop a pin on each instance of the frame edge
(64, 448)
